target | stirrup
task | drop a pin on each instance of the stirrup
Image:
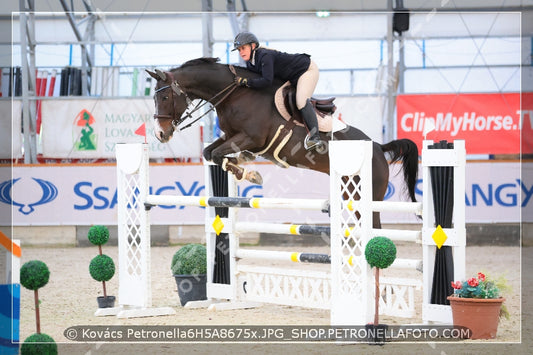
(311, 145)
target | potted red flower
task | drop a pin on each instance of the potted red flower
(477, 304)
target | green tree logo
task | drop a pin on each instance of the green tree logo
(84, 132)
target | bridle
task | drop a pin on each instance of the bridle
(177, 89)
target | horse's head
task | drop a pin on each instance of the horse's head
(170, 104)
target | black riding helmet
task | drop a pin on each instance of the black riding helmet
(244, 38)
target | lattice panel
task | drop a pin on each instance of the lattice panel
(351, 246)
(397, 296)
(133, 225)
(281, 286)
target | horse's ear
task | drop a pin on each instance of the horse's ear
(162, 75)
(152, 74)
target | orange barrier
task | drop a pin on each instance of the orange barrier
(9, 245)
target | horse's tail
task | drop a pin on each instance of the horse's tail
(406, 151)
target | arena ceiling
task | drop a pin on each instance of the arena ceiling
(276, 5)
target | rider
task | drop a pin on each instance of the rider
(299, 69)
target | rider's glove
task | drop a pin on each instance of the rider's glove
(241, 81)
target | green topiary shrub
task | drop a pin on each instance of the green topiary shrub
(191, 259)
(98, 235)
(380, 252)
(102, 268)
(34, 274)
(39, 344)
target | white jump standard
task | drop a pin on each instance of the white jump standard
(134, 291)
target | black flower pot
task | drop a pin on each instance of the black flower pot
(376, 334)
(106, 302)
(191, 287)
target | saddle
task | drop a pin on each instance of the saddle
(285, 100)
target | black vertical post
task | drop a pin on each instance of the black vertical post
(18, 82)
(219, 183)
(75, 82)
(11, 81)
(63, 88)
(442, 188)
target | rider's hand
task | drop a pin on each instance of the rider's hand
(241, 81)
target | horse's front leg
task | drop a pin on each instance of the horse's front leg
(232, 145)
(208, 151)
(245, 157)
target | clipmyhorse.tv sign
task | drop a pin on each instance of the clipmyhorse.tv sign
(489, 123)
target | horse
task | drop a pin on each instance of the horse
(250, 122)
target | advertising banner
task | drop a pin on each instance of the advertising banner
(90, 128)
(78, 129)
(489, 123)
(86, 194)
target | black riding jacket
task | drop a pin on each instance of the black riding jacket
(270, 63)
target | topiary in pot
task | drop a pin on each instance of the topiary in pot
(98, 235)
(380, 252)
(102, 267)
(191, 259)
(33, 275)
(38, 344)
(189, 267)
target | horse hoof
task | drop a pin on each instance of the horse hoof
(254, 177)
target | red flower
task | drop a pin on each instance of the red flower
(480, 276)
(456, 285)
(473, 282)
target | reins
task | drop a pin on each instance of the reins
(178, 90)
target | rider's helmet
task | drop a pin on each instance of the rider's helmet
(244, 38)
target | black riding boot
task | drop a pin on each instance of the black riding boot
(309, 116)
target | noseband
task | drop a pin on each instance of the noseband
(176, 88)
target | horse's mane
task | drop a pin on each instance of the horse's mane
(212, 60)
(198, 61)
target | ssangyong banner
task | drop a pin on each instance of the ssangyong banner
(87, 194)
(489, 123)
(79, 129)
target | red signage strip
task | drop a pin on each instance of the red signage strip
(489, 123)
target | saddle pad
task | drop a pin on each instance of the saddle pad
(325, 123)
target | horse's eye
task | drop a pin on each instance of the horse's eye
(165, 98)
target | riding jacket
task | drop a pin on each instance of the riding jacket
(270, 63)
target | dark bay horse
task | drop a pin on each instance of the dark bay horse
(250, 121)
